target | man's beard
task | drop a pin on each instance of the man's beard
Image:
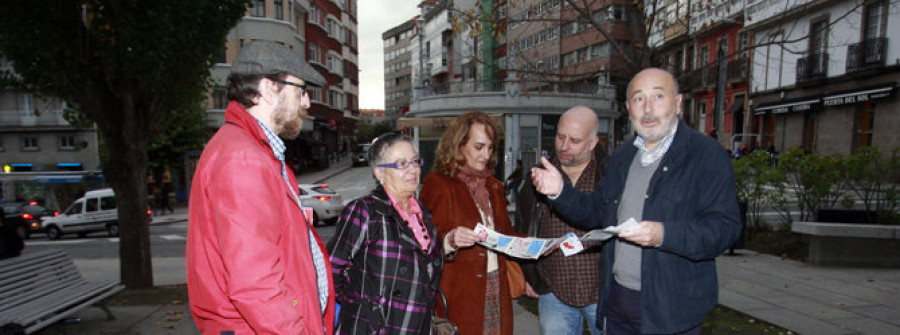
(289, 123)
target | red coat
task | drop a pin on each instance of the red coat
(463, 280)
(249, 262)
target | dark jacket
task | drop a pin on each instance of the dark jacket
(529, 212)
(10, 243)
(381, 274)
(693, 194)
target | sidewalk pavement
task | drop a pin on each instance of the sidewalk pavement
(803, 298)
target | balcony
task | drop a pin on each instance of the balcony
(814, 66)
(866, 54)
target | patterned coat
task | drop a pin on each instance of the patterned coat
(464, 280)
(384, 281)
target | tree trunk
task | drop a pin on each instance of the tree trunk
(126, 170)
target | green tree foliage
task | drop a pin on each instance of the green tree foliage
(127, 66)
(183, 132)
(368, 132)
(873, 179)
(753, 173)
(816, 181)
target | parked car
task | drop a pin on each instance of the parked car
(325, 202)
(95, 211)
(25, 217)
(361, 154)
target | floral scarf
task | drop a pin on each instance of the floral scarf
(476, 181)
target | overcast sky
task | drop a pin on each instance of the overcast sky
(376, 17)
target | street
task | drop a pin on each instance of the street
(168, 239)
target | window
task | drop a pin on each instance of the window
(335, 99)
(75, 208)
(818, 33)
(26, 105)
(92, 205)
(875, 20)
(315, 94)
(30, 143)
(220, 98)
(107, 203)
(333, 63)
(66, 142)
(818, 42)
(258, 8)
(314, 54)
(703, 60)
(809, 131)
(689, 63)
(865, 121)
(617, 12)
(722, 46)
(313, 14)
(279, 10)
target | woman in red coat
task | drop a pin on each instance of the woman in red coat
(461, 192)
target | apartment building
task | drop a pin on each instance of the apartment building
(825, 74)
(398, 81)
(324, 33)
(476, 55)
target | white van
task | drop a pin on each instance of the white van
(95, 211)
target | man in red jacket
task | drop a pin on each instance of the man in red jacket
(254, 265)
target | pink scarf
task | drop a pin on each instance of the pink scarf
(476, 181)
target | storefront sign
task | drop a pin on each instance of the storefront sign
(857, 96)
(780, 107)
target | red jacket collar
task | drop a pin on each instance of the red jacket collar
(236, 114)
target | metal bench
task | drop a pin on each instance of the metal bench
(40, 288)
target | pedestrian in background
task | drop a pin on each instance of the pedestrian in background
(385, 242)
(254, 264)
(514, 179)
(568, 287)
(461, 192)
(658, 278)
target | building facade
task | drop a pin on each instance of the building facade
(825, 74)
(38, 146)
(471, 55)
(324, 32)
(375, 116)
(398, 83)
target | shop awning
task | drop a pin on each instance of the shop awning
(798, 105)
(58, 179)
(858, 95)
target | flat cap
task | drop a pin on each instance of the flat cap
(266, 57)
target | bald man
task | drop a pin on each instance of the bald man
(568, 287)
(658, 278)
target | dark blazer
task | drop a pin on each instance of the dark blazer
(464, 280)
(693, 194)
(383, 279)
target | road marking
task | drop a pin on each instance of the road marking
(56, 242)
(172, 237)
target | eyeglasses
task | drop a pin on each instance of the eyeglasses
(301, 86)
(403, 164)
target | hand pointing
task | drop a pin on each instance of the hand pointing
(547, 180)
